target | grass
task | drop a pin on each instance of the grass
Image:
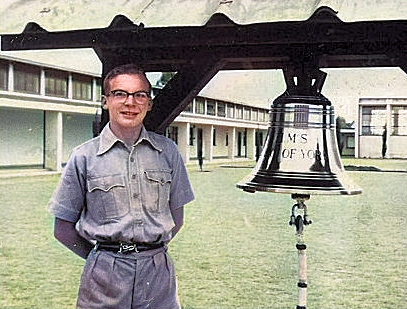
(36, 272)
(236, 249)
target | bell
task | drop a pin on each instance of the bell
(300, 154)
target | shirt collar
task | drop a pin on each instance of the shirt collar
(108, 140)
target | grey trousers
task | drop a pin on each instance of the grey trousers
(131, 281)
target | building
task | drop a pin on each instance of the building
(213, 129)
(347, 139)
(46, 110)
(382, 128)
(48, 105)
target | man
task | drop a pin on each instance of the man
(120, 202)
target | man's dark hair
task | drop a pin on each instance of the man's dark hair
(130, 68)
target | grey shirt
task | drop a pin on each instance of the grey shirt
(117, 194)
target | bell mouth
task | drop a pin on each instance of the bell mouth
(298, 183)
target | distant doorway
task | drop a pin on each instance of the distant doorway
(199, 146)
(239, 144)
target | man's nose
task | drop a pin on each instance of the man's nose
(131, 99)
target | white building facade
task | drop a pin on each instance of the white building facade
(219, 130)
(382, 130)
(45, 111)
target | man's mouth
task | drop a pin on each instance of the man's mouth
(129, 113)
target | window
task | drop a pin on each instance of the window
(399, 120)
(191, 136)
(56, 83)
(82, 87)
(172, 133)
(261, 116)
(255, 113)
(210, 107)
(239, 112)
(221, 109)
(98, 94)
(189, 108)
(231, 111)
(26, 78)
(199, 106)
(246, 112)
(373, 120)
(214, 137)
(4, 75)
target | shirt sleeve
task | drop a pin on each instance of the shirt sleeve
(68, 199)
(181, 189)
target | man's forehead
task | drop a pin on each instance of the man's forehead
(129, 78)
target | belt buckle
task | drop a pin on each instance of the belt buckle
(124, 248)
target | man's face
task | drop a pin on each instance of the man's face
(127, 115)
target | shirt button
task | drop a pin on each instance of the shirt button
(131, 159)
(133, 176)
(135, 195)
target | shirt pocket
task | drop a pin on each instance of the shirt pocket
(107, 197)
(156, 190)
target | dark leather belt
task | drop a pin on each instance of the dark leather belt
(127, 248)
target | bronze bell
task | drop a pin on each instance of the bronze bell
(300, 154)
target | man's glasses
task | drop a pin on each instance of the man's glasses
(120, 96)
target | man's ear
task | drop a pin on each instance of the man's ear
(104, 102)
(150, 105)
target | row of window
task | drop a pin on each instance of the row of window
(211, 107)
(172, 133)
(27, 79)
(374, 120)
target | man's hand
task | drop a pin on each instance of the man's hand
(66, 233)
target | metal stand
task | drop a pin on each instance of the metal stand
(299, 220)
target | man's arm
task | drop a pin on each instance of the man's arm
(66, 233)
(178, 217)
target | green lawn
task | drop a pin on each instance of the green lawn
(236, 249)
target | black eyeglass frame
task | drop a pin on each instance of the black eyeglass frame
(128, 94)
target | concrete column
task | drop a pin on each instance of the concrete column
(358, 130)
(53, 141)
(70, 87)
(208, 142)
(10, 77)
(388, 127)
(251, 144)
(42, 82)
(193, 105)
(232, 143)
(183, 136)
(94, 90)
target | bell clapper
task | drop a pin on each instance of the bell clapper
(299, 220)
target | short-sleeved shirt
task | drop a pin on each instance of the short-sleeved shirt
(117, 194)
